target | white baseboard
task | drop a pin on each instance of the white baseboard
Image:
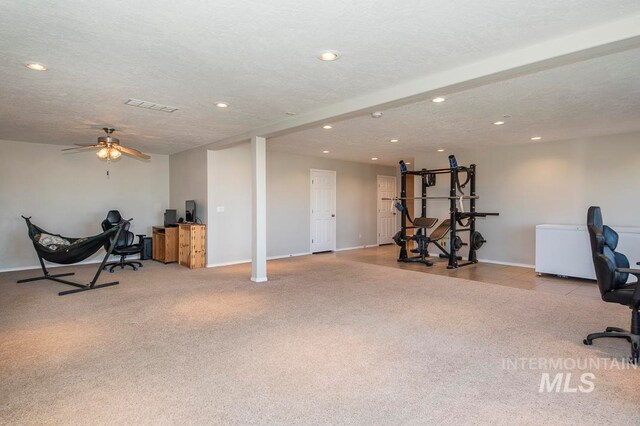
(289, 255)
(234, 262)
(497, 262)
(357, 247)
(238, 262)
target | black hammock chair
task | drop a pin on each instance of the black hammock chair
(72, 250)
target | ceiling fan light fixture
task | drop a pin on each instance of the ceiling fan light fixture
(114, 153)
(109, 153)
(103, 153)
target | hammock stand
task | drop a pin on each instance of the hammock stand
(80, 249)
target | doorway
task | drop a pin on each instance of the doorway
(387, 222)
(323, 210)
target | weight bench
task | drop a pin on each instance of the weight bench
(436, 235)
(424, 222)
(420, 223)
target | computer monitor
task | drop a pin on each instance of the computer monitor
(190, 211)
(170, 218)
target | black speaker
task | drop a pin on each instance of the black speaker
(190, 211)
(147, 248)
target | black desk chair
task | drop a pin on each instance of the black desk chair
(612, 272)
(124, 246)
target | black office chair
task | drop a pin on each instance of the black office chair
(125, 245)
(612, 272)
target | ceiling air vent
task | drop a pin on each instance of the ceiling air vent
(150, 105)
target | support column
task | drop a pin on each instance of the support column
(259, 210)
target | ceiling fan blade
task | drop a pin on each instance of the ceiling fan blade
(133, 152)
(80, 146)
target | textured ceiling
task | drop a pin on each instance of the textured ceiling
(257, 55)
(594, 97)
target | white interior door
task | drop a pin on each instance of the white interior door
(323, 210)
(387, 222)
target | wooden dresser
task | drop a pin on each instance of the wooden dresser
(193, 243)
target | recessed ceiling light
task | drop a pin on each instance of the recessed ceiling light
(328, 56)
(376, 114)
(441, 150)
(393, 140)
(36, 66)
(325, 152)
(438, 99)
(374, 158)
(498, 123)
(536, 138)
(327, 126)
(222, 104)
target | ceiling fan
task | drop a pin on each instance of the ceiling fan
(110, 147)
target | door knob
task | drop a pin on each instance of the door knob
(333, 215)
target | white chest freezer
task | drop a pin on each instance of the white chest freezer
(565, 249)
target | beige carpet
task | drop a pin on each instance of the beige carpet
(325, 341)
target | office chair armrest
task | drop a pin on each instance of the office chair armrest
(636, 273)
(140, 238)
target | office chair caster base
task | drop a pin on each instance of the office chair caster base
(622, 334)
(114, 265)
(619, 333)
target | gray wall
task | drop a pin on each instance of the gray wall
(229, 186)
(288, 203)
(551, 182)
(188, 172)
(69, 193)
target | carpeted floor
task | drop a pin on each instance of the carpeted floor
(325, 341)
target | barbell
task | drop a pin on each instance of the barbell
(464, 197)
